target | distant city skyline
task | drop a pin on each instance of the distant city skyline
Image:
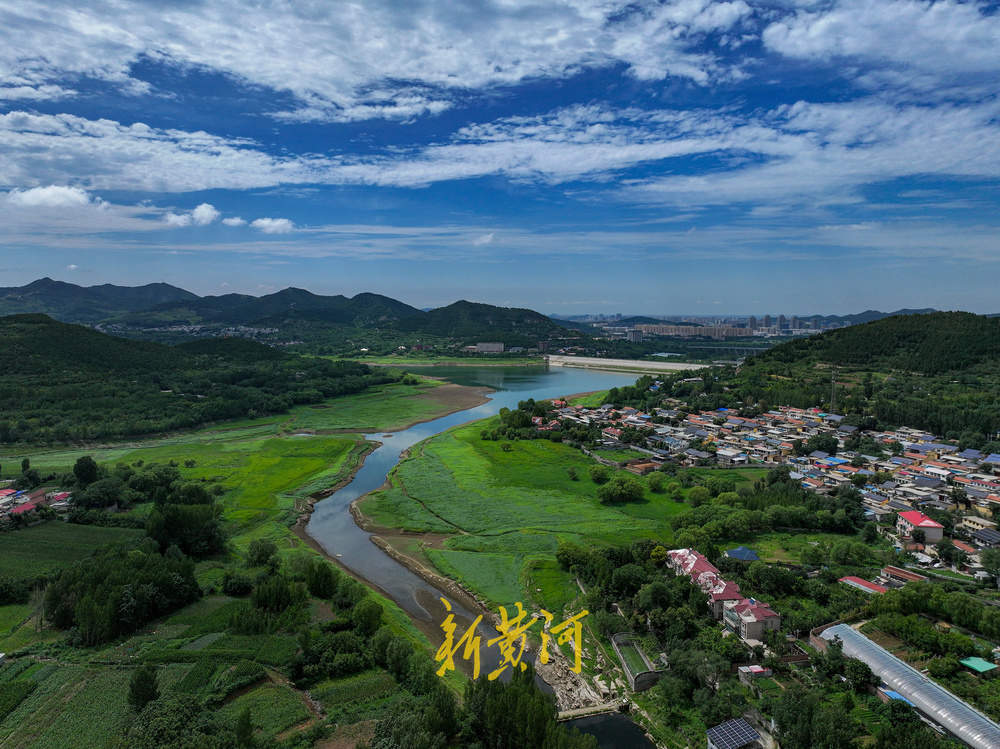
(834, 155)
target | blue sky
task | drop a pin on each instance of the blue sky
(588, 156)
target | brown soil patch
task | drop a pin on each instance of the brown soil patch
(456, 397)
(348, 737)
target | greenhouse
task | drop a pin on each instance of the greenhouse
(957, 717)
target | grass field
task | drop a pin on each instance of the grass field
(591, 400)
(784, 547)
(508, 511)
(45, 548)
(635, 662)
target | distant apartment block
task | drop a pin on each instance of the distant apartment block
(489, 348)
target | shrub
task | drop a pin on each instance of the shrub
(599, 474)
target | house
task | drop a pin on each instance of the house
(863, 585)
(750, 618)
(748, 673)
(914, 520)
(974, 523)
(900, 575)
(733, 734)
(987, 538)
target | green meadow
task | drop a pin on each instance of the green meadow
(43, 549)
(507, 511)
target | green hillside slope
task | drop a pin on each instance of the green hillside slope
(66, 383)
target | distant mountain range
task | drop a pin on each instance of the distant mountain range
(160, 306)
(862, 317)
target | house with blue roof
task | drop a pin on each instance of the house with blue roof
(743, 553)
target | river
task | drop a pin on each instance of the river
(333, 526)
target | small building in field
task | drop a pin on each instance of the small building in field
(903, 576)
(743, 553)
(863, 585)
(979, 666)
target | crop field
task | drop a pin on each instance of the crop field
(620, 456)
(48, 547)
(742, 476)
(273, 708)
(508, 510)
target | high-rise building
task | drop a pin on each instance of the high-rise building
(634, 336)
(752, 323)
(782, 322)
(767, 321)
(796, 323)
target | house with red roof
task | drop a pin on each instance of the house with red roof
(913, 520)
(750, 618)
(863, 585)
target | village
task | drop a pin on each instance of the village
(912, 484)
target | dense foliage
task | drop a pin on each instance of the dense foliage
(68, 383)
(117, 591)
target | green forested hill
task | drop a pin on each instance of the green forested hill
(64, 382)
(467, 320)
(937, 371)
(927, 343)
(165, 313)
(72, 303)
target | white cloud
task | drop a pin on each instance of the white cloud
(233, 221)
(923, 41)
(483, 239)
(272, 225)
(177, 219)
(52, 196)
(382, 58)
(44, 92)
(204, 214)
(72, 267)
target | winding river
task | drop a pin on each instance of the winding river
(333, 527)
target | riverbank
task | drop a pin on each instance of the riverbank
(404, 362)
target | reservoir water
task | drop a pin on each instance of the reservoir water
(333, 526)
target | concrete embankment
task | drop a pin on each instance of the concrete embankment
(624, 365)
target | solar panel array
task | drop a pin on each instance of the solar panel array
(733, 734)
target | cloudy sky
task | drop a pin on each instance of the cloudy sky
(572, 155)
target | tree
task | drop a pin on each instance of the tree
(859, 675)
(698, 496)
(367, 616)
(25, 465)
(244, 729)
(620, 489)
(656, 482)
(86, 471)
(918, 536)
(990, 559)
(143, 687)
(599, 474)
(260, 551)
